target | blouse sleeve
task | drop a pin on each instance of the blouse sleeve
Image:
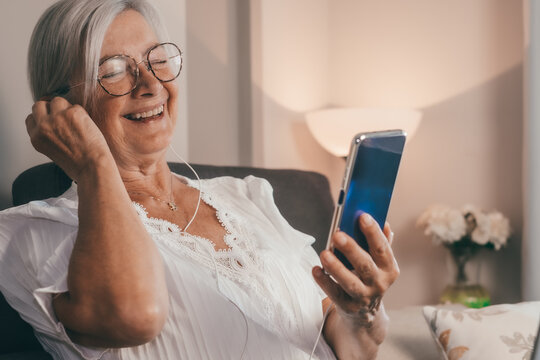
(261, 193)
(36, 241)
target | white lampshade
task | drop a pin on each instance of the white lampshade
(335, 128)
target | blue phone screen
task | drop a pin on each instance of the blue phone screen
(372, 181)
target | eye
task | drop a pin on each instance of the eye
(159, 63)
(114, 69)
(111, 76)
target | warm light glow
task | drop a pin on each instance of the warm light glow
(335, 128)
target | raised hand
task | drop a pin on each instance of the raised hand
(66, 134)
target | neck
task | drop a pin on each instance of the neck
(149, 178)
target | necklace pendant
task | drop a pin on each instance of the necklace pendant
(172, 206)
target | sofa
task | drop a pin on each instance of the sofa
(303, 197)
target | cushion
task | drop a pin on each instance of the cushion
(506, 331)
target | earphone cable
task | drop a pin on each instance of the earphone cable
(212, 255)
(199, 186)
(320, 330)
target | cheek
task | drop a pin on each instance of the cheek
(172, 89)
(106, 109)
(173, 112)
(105, 112)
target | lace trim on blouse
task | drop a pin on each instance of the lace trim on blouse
(239, 263)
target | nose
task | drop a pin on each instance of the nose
(147, 83)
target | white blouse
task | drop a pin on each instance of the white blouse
(256, 300)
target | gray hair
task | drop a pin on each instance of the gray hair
(66, 44)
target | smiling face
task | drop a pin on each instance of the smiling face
(137, 126)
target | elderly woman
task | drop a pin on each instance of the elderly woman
(128, 263)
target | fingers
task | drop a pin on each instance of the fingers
(366, 271)
(379, 246)
(43, 111)
(377, 269)
(388, 232)
(30, 123)
(51, 127)
(350, 295)
(358, 292)
(337, 294)
(58, 104)
(40, 119)
(40, 108)
(52, 106)
(363, 264)
(329, 286)
(390, 236)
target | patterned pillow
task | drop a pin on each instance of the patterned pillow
(499, 332)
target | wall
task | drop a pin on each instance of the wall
(17, 20)
(174, 15)
(459, 62)
(213, 81)
(289, 70)
(531, 163)
(467, 81)
(16, 152)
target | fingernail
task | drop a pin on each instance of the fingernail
(340, 239)
(366, 219)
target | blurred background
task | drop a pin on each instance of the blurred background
(254, 68)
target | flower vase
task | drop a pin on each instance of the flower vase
(463, 290)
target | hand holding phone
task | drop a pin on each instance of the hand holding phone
(368, 183)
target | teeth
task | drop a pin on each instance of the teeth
(146, 114)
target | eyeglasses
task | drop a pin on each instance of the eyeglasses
(118, 75)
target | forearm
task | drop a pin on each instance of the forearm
(115, 277)
(355, 338)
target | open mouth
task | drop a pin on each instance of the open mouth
(147, 115)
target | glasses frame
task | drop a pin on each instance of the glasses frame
(148, 67)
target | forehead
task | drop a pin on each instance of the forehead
(128, 34)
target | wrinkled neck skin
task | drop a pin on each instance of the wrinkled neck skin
(149, 174)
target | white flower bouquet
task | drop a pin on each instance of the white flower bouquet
(463, 232)
(468, 226)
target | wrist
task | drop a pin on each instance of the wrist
(356, 337)
(95, 167)
(365, 316)
(372, 324)
(98, 186)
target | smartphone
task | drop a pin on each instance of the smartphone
(368, 183)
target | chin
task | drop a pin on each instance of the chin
(152, 145)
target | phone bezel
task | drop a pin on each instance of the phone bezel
(351, 159)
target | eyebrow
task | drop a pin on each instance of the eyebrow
(105, 57)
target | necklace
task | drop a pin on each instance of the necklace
(171, 204)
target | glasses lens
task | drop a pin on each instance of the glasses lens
(165, 61)
(117, 75)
